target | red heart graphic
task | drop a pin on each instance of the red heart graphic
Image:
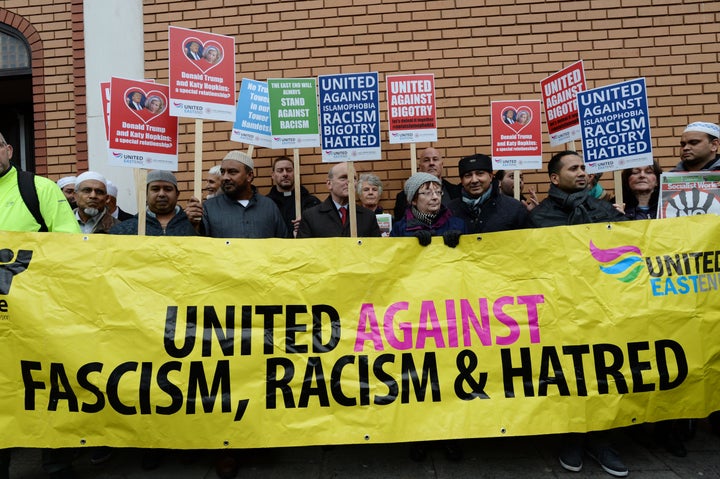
(145, 105)
(516, 119)
(203, 55)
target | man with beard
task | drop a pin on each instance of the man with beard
(569, 202)
(163, 216)
(283, 193)
(240, 212)
(91, 197)
(483, 207)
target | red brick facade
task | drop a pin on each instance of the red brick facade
(478, 54)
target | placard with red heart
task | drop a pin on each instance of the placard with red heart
(153, 103)
(211, 53)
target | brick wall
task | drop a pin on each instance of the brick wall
(478, 54)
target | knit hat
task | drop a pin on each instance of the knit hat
(66, 180)
(704, 127)
(475, 162)
(416, 181)
(240, 157)
(112, 190)
(90, 175)
(161, 175)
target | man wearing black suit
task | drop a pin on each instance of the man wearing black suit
(331, 217)
(135, 101)
(193, 51)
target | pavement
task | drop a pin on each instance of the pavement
(515, 457)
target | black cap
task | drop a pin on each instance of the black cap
(477, 161)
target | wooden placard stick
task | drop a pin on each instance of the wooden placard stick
(413, 158)
(140, 175)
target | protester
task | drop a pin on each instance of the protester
(700, 147)
(483, 208)
(569, 203)
(67, 185)
(641, 191)
(163, 217)
(55, 215)
(91, 196)
(430, 161)
(213, 182)
(369, 191)
(506, 179)
(596, 189)
(426, 216)
(283, 194)
(240, 212)
(331, 218)
(112, 206)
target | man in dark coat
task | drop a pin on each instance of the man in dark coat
(283, 193)
(163, 216)
(331, 217)
(569, 202)
(483, 207)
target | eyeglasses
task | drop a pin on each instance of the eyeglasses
(431, 193)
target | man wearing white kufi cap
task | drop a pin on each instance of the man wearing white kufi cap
(91, 198)
(700, 147)
(67, 186)
(240, 211)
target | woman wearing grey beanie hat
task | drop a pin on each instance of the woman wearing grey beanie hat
(425, 215)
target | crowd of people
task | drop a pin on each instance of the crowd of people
(429, 205)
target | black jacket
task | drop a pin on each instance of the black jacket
(561, 208)
(498, 213)
(286, 204)
(323, 221)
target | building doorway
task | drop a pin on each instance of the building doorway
(16, 102)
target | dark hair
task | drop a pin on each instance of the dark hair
(554, 163)
(629, 197)
(500, 174)
(281, 158)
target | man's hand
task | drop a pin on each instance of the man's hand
(194, 210)
(532, 200)
(424, 237)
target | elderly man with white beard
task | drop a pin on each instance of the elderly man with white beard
(91, 197)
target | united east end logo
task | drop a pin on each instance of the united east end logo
(693, 272)
(10, 266)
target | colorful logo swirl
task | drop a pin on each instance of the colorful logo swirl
(623, 262)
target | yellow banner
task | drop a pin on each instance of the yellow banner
(211, 343)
